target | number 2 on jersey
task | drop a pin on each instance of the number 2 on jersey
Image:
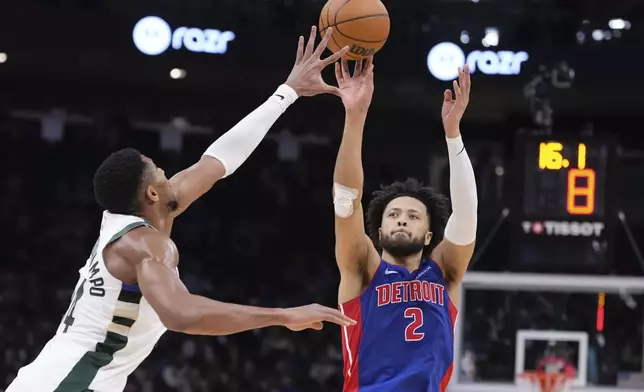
(411, 332)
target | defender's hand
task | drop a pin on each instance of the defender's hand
(356, 91)
(453, 109)
(312, 316)
(306, 76)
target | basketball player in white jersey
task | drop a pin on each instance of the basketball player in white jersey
(129, 291)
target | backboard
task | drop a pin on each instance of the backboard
(589, 327)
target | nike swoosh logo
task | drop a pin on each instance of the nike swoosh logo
(389, 272)
(424, 272)
(280, 96)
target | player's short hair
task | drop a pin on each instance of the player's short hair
(437, 207)
(118, 180)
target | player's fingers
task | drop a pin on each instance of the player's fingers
(368, 73)
(368, 62)
(461, 79)
(447, 95)
(468, 80)
(337, 317)
(300, 50)
(339, 320)
(357, 69)
(317, 326)
(310, 43)
(323, 44)
(369, 67)
(334, 57)
(338, 72)
(345, 68)
(457, 90)
(331, 89)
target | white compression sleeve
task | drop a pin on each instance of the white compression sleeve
(235, 146)
(461, 226)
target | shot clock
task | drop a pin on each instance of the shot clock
(565, 179)
(561, 209)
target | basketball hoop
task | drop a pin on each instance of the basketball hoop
(543, 382)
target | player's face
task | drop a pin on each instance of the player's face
(405, 227)
(159, 189)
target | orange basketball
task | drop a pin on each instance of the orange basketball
(363, 25)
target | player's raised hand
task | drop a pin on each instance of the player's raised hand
(312, 317)
(453, 109)
(306, 76)
(356, 90)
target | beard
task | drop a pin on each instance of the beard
(173, 205)
(402, 247)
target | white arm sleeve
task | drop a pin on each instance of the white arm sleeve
(461, 226)
(235, 146)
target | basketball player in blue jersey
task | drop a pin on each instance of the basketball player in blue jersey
(129, 291)
(401, 282)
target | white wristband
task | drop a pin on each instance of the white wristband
(285, 96)
(455, 145)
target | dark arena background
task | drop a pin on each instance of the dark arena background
(555, 130)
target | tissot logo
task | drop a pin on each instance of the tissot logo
(563, 228)
(444, 59)
(153, 36)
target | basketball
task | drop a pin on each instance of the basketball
(363, 25)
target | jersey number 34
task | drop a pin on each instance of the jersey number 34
(411, 332)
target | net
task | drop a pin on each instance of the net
(542, 382)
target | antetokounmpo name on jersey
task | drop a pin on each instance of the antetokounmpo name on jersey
(96, 289)
(412, 291)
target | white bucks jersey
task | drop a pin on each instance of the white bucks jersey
(108, 330)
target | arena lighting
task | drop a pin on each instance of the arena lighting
(3, 57)
(581, 37)
(153, 36)
(178, 73)
(619, 24)
(491, 37)
(465, 37)
(444, 59)
(598, 35)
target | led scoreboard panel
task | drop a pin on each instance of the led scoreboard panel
(565, 179)
(561, 221)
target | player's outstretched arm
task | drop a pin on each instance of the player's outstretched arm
(232, 149)
(456, 249)
(353, 247)
(181, 311)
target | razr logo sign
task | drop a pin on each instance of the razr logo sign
(153, 36)
(444, 59)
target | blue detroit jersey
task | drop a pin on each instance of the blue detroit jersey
(404, 338)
